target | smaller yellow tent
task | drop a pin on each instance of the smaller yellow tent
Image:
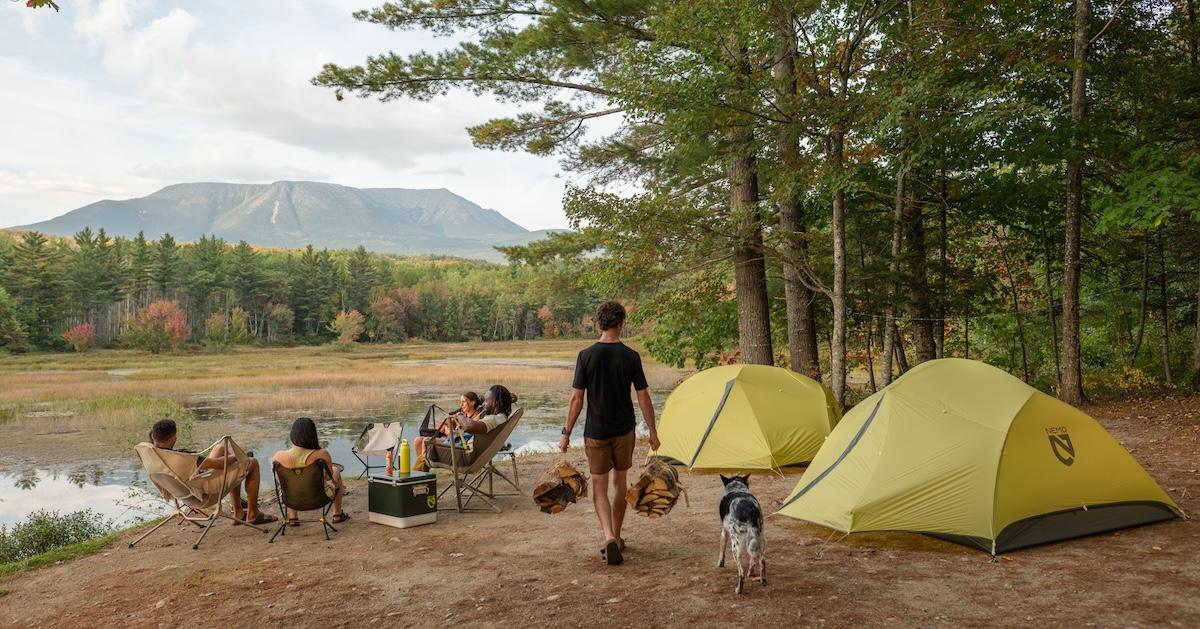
(961, 450)
(746, 417)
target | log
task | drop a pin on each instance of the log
(560, 485)
(656, 490)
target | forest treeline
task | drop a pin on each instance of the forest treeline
(842, 185)
(49, 286)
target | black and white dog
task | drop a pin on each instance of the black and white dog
(742, 523)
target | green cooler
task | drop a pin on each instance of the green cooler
(403, 500)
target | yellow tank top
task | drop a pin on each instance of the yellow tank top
(299, 456)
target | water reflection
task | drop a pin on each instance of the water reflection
(27, 480)
(115, 494)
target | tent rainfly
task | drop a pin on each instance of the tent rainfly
(961, 450)
(746, 417)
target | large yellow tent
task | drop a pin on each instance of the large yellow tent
(961, 450)
(746, 417)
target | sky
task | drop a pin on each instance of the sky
(115, 99)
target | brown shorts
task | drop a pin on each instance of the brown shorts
(614, 453)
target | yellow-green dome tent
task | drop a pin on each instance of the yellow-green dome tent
(746, 417)
(961, 450)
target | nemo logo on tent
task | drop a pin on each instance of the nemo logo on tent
(1060, 444)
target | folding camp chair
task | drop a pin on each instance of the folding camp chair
(429, 424)
(303, 489)
(198, 493)
(472, 466)
(376, 440)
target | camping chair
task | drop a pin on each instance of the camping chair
(197, 493)
(376, 440)
(433, 416)
(302, 489)
(471, 466)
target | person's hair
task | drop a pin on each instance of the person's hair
(609, 315)
(504, 398)
(162, 430)
(473, 398)
(304, 434)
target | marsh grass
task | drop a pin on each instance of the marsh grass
(119, 390)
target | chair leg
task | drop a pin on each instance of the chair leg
(143, 536)
(212, 519)
(366, 464)
(279, 531)
(516, 481)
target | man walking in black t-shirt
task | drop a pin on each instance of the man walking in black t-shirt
(604, 374)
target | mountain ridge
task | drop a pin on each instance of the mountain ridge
(295, 214)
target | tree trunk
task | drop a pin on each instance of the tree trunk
(1142, 309)
(1016, 306)
(901, 357)
(1071, 390)
(798, 297)
(862, 262)
(1196, 349)
(918, 280)
(943, 273)
(967, 334)
(1050, 306)
(837, 361)
(889, 316)
(749, 264)
(1164, 300)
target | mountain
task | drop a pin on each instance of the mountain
(293, 214)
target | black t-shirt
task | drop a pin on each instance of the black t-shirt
(606, 371)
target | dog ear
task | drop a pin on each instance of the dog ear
(746, 480)
(724, 481)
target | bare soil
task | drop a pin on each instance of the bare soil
(524, 568)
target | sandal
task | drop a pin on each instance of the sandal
(263, 518)
(338, 518)
(293, 521)
(611, 553)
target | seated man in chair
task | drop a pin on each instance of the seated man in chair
(164, 434)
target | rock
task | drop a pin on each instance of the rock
(161, 604)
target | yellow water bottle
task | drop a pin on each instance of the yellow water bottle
(405, 459)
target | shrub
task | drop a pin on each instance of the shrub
(216, 331)
(46, 530)
(279, 322)
(12, 333)
(81, 337)
(348, 326)
(159, 326)
(239, 330)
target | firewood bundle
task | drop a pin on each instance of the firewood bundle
(560, 485)
(656, 491)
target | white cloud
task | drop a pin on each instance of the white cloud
(126, 96)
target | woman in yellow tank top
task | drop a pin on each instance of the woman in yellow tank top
(305, 450)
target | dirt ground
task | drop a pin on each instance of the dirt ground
(524, 568)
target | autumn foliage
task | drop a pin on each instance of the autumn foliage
(348, 326)
(158, 327)
(82, 337)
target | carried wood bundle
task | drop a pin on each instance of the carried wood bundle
(657, 490)
(560, 485)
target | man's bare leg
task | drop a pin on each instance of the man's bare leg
(341, 491)
(604, 509)
(619, 485)
(252, 485)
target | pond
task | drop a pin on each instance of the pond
(117, 488)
